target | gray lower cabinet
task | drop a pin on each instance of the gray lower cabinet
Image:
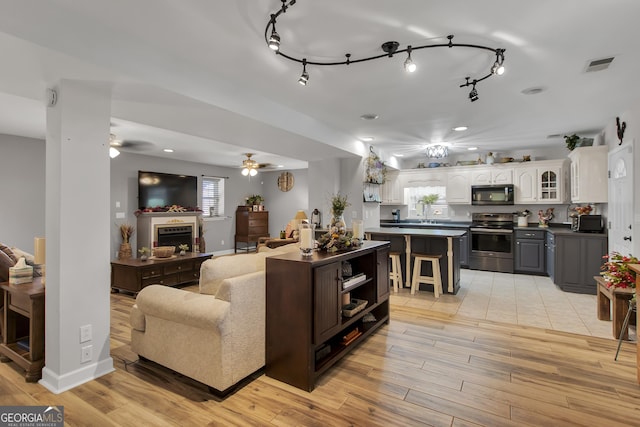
(530, 252)
(550, 246)
(578, 257)
(464, 250)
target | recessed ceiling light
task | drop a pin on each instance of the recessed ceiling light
(397, 155)
(472, 148)
(460, 128)
(280, 166)
(367, 138)
(168, 150)
(369, 116)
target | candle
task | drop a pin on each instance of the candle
(358, 229)
(306, 238)
(39, 244)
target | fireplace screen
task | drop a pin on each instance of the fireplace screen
(175, 236)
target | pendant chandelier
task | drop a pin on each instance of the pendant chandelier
(389, 48)
(437, 151)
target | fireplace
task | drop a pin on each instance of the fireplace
(168, 229)
(174, 235)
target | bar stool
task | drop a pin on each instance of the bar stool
(435, 279)
(632, 308)
(395, 274)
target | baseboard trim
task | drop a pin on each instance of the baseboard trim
(57, 384)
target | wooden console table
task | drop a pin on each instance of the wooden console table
(616, 300)
(308, 328)
(134, 274)
(23, 327)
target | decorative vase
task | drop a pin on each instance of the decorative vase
(183, 253)
(202, 247)
(125, 251)
(144, 257)
(337, 224)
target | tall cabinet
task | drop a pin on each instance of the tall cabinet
(250, 226)
(319, 308)
(589, 174)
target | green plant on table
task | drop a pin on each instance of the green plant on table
(338, 204)
(144, 251)
(429, 199)
(183, 247)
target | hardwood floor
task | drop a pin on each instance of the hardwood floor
(424, 368)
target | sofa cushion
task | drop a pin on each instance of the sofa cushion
(19, 253)
(7, 250)
(5, 263)
(215, 270)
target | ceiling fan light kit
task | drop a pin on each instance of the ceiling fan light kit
(389, 48)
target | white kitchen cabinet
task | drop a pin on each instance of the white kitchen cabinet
(492, 175)
(540, 182)
(589, 174)
(459, 187)
(424, 178)
(391, 191)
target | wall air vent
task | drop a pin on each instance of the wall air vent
(599, 64)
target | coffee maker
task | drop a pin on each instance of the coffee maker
(396, 215)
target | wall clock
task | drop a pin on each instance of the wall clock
(285, 181)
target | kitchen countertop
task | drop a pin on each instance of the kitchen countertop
(402, 224)
(424, 232)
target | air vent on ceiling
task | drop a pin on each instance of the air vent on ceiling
(599, 64)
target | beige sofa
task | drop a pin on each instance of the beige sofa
(215, 336)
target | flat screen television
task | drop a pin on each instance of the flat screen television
(156, 189)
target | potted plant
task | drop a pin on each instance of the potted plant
(427, 201)
(126, 231)
(616, 272)
(571, 141)
(183, 248)
(144, 253)
(254, 200)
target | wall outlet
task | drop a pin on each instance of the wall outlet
(86, 354)
(85, 333)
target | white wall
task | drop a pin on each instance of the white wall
(22, 171)
(282, 206)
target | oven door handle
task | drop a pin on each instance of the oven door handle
(491, 231)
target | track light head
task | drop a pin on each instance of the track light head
(473, 95)
(274, 40)
(304, 77)
(409, 65)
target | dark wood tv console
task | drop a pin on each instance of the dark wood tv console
(132, 275)
(307, 327)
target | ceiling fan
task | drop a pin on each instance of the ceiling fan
(115, 144)
(250, 167)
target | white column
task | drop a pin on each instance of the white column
(77, 230)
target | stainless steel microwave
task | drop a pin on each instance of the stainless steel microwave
(492, 194)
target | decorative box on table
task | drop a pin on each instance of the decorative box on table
(20, 273)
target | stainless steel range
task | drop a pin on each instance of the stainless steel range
(492, 242)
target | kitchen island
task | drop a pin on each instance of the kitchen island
(431, 241)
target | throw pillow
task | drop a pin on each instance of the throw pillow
(5, 263)
(7, 250)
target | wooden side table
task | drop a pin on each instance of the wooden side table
(23, 328)
(614, 300)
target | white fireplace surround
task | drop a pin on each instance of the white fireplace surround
(150, 222)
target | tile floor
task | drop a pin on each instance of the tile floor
(515, 298)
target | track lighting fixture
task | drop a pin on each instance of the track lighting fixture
(473, 95)
(498, 67)
(274, 38)
(409, 65)
(389, 48)
(304, 77)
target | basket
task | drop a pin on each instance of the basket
(164, 251)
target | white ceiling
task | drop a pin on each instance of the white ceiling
(197, 76)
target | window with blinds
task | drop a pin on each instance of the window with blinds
(212, 196)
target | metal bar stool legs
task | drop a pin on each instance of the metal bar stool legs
(625, 324)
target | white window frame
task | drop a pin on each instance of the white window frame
(209, 200)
